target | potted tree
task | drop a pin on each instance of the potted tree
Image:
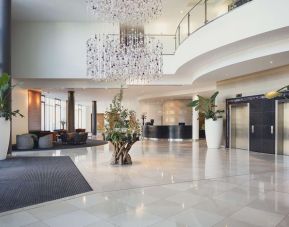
(213, 119)
(122, 130)
(5, 114)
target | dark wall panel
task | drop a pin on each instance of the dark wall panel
(34, 110)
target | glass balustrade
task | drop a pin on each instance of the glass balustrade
(202, 13)
(197, 17)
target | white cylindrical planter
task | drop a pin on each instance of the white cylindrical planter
(4, 138)
(214, 133)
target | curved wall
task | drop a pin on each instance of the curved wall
(252, 19)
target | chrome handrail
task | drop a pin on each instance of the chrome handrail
(234, 4)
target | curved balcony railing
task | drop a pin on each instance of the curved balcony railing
(202, 13)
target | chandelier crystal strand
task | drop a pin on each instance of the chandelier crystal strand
(125, 11)
(130, 58)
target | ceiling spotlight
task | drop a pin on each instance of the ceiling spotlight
(271, 62)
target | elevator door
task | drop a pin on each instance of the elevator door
(262, 126)
(240, 126)
(283, 128)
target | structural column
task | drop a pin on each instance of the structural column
(5, 41)
(196, 124)
(94, 118)
(71, 112)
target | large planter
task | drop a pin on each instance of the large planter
(4, 137)
(214, 133)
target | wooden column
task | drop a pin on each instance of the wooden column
(34, 110)
(71, 112)
(94, 118)
(5, 42)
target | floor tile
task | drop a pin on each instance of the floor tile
(17, 219)
(186, 199)
(168, 224)
(229, 222)
(74, 219)
(36, 224)
(101, 224)
(87, 201)
(257, 217)
(275, 202)
(239, 195)
(164, 208)
(284, 222)
(169, 184)
(52, 210)
(108, 209)
(132, 219)
(196, 218)
(222, 208)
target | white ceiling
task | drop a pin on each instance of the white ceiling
(130, 92)
(76, 11)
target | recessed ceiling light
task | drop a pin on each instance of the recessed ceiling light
(181, 11)
(271, 62)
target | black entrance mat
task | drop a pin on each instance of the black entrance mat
(26, 181)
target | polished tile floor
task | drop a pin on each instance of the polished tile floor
(169, 184)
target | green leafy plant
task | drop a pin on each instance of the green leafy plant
(5, 92)
(122, 130)
(207, 106)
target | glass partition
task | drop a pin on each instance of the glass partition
(197, 16)
(184, 28)
(203, 12)
(53, 111)
(216, 8)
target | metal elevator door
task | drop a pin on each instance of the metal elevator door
(239, 125)
(283, 128)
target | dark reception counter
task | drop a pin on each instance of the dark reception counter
(169, 132)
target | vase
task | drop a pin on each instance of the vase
(4, 138)
(214, 133)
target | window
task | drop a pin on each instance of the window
(53, 111)
(80, 116)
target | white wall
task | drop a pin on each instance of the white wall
(167, 111)
(250, 20)
(43, 49)
(19, 102)
(254, 84)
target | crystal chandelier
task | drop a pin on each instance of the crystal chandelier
(132, 58)
(125, 11)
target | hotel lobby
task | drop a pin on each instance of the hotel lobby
(144, 113)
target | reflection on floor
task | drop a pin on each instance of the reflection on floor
(169, 184)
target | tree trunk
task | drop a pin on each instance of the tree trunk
(121, 153)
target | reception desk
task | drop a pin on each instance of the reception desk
(168, 132)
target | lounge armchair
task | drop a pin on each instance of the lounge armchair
(25, 142)
(46, 142)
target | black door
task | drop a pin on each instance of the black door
(262, 126)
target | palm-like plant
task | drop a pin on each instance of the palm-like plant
(5, 91)
(279, 93)
(207, 106)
